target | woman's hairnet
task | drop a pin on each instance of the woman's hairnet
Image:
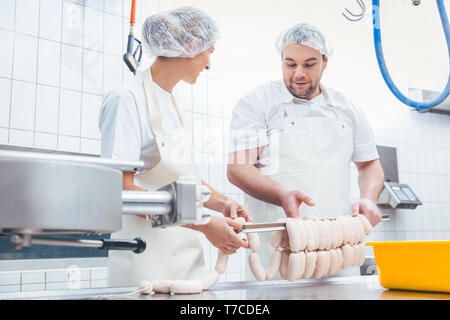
(181, 32)
(305, 34)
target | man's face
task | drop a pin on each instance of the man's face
(302, 68)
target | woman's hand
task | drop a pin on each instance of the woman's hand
(233, 209)
(221, 232)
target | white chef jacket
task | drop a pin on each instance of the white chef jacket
(125, 131)
(260, 114)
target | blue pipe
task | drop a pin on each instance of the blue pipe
(384, 71)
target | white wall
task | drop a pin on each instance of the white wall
(57, 108)
(58, 59)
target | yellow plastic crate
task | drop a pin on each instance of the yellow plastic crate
(413, 265)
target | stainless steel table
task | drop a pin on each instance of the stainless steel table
(339, 288)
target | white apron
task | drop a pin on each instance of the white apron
(172, 253)
(313, 156)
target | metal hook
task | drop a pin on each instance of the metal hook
(357, 16)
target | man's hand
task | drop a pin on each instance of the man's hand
(233, 209)
(291, 201)
(369, 209)
(221, 232)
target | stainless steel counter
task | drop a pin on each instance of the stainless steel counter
(342, 288)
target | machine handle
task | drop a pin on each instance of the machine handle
(137, 245)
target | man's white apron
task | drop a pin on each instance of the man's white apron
(313, 156)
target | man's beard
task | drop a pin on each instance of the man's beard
(308, 92)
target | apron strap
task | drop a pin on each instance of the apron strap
(290, 112)
(177, 110)
(153, 110)
(333, 108)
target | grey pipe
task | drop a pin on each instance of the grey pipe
(121, 165)
(146, 202)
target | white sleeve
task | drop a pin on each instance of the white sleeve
(248, 128)
(120, 127)
(364, 146)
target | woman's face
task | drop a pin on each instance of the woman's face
(196, 65)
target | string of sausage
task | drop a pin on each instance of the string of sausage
(312, 248)
(189, 286)
(307, 248)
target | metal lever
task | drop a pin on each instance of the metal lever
(137, 245)
(264, 227)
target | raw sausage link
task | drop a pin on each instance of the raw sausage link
(161, 286)
(274, 265)
(334, 235)
(311, 231)
(256, 267)
(322, 234)
(186, 286)
(329, 234)
(221, 262)
(146, 287)
(348, 255)
(284, 263)
(368, 228)
(362, 254)
(296, 266)
(276, 236)
(275, 239)
(310, 264)
(303, 234)
(294, 235)
(332, 244)
(322, 264)
(210, 280)
(360, 227)
(339, 232)
(253, 241)
(333, 263)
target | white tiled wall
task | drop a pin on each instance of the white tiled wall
(423, 150)
(58, 59)
(53, 279)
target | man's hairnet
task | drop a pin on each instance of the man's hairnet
(304, 34)
(181, 32)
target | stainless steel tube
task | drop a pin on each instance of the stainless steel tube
(147, 202)
(120, 165)
(137, 245)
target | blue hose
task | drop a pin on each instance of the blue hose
(381, 63)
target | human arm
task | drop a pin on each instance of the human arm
(370, 181)
(243, 174)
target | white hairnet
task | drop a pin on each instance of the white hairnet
(306, 34)
(181, 32)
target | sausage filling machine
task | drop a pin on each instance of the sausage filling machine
(48, 194)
